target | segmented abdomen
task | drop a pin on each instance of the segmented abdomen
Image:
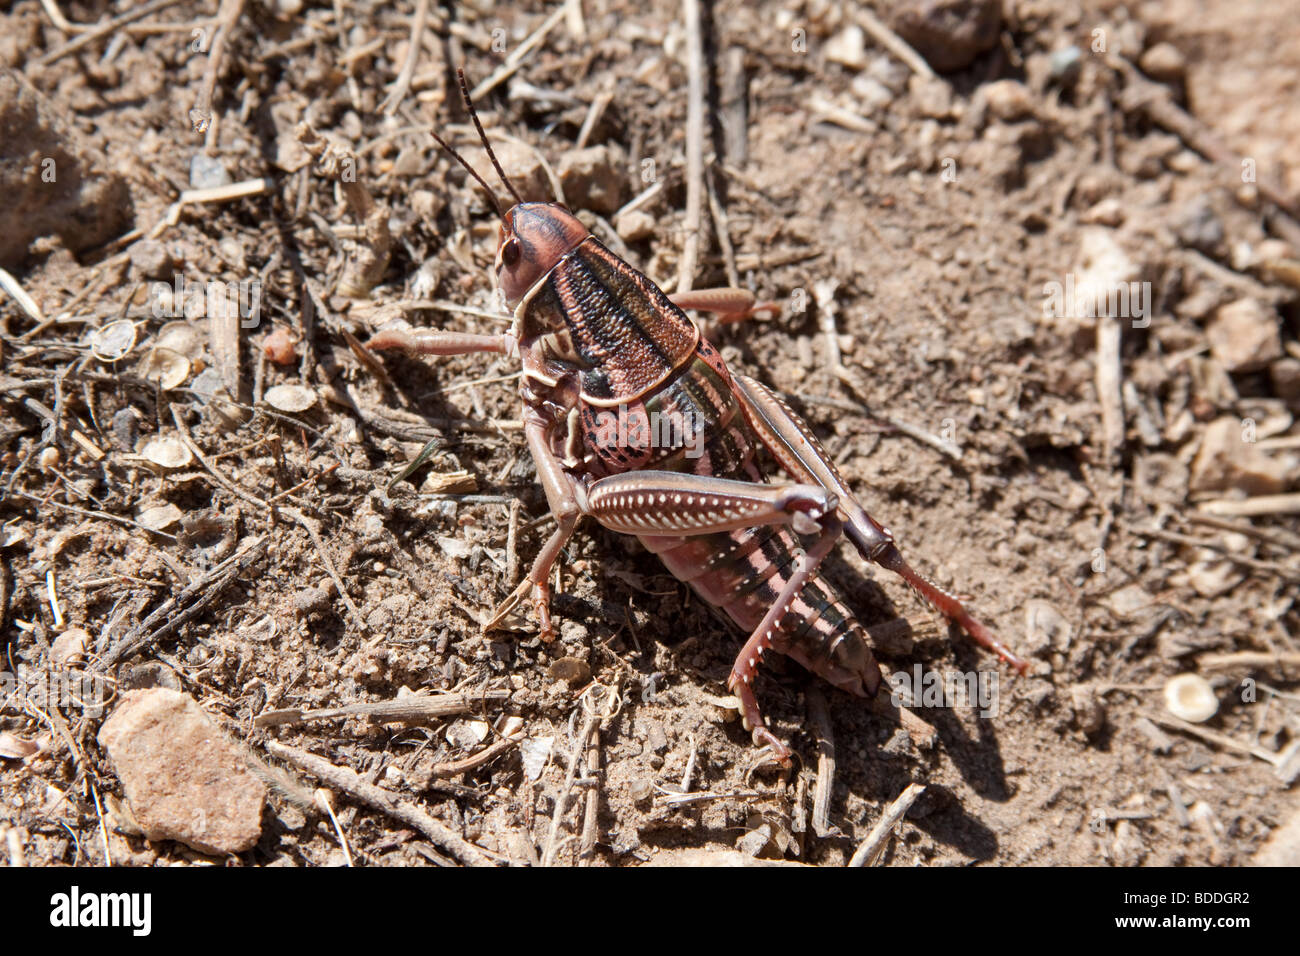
(693, 423)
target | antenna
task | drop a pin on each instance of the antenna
(492, 197)
(473, 114)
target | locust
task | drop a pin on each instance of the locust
(606, 355)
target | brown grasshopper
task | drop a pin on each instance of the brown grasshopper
(606, 354)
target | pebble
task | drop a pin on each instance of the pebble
(635, 225)
(1243, 336)
(1065, 65)
(950, 34)
(207, 172)
(848, 48)
(592, 178)
(1008, 100)
(70, 646)
(1164, 62)
(1285, 375)
(151, 259)
(1226, 461)
(183, 779)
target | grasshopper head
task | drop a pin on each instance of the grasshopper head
(534, 237)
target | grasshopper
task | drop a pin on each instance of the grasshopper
(606, 354)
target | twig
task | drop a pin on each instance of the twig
(1273, 567)
(175, 611)
(19, 294)
(1274, 536)
(948, 448)
(734, 109)
(323, 803)
(594, 113)
(227, 15)
(892, 42)
(1109, 387)
(1254, 507)
(211, 469)
(694, 145)
(1247, 660)
(875, 842)
(1223, 740)
(89, 37)
(473, 762)
(516, 59)
(313, 529)
(688, 774)
(414, 707)
(587, 841)
(821, 721)
(722, 230)
(562, 802)
(385, 801)
(403, 84)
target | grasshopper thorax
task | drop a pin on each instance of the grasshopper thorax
(534, 237)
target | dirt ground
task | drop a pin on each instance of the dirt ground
(1116, 495)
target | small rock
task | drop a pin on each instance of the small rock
(524, 167)
(755, 841)
(933, 97)
(1197, 225)
(281, 346)
(1285, 375)
(125, 428)
(151, 259)
(70, 646)
(1244, 336)
(848, 47)
(950, 34)
(640, 789)
(1227, 461)
(1046, 628)
(468, 733)
(655, 737)
(1164, 62)
(1065, 65)
(159, 518)
(1089, 710)
(534, 752)
(871, 93)
(592, 178)
(1008, 100)
(635, 225)
(1108, 212)
(309, 600)
(182, 778)
(570, 670)
(207, 172)
(149, 675)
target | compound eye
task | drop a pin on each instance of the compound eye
(510, 253)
